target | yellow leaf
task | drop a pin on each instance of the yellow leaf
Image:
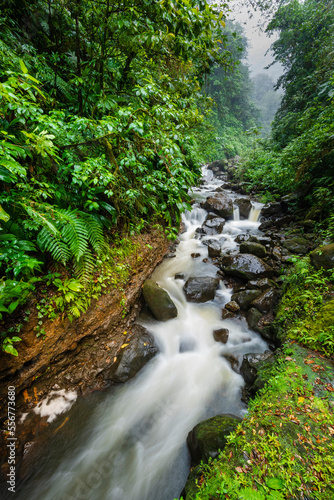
(301, 400)
(124, 345)
(115, 359)
(124, 333)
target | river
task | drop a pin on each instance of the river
(129, 443)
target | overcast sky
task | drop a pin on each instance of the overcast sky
(258, 42)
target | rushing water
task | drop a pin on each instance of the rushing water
(132, 446)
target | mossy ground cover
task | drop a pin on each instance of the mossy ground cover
(284, 447)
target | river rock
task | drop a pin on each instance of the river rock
(226, 314)
(208, 437)
(232, 306)
(220, 204)
(159, 301)
(266, 301)
(214, 249)
(253, 248)
(271, 209)
(245, 266)
(262, 284)
(200, 289)
(297, 245)
(140, 350)
(250, 365)
(221, 335)
(323, 257)
(244, 205)
(213, 226)
(218, 165)
(245, 297)
(253, 317)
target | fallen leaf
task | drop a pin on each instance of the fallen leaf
(124, 345)
(308, 361)
(301, 400)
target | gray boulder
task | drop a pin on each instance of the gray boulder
(266, 301)
(250, 365)
(244, 205)
(219, 204)
(159, 301)
(200, 289)
(213, 226)
(253, 317)
(245, 297)
(214, 249)
(297, 245)
(245, 266)
(140, 350)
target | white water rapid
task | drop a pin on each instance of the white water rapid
(134, 445)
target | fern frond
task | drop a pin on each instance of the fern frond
(53, 244)
(84, 267)
(95, 232)
(74, 232)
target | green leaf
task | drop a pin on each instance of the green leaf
(23, 67)
(10, 349)
(3, 215)
(13, 306)
(275, 483)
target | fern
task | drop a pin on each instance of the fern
(68, 235)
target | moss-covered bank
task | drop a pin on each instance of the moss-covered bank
(284, 447)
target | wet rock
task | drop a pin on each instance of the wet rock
(195, 255)
(211, 216)
(234, 362)
(297, 245)
(213, 226)
(262, 284)
(244, 205)
(221, 335)
(208, 437)
(220, 204)
(245, 297)
(226, 314)
(179, 276)
(134, 357)
(253, 248)
(232, 306)
(218, 165)
(323, 257)
(276, 253)
(271, 209)
(246, 266)
(200, 289)
(159, 301)
(250, 365)
(214, 249)
(266, 301)
(253, 317)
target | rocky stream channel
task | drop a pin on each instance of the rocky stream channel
(206, 324)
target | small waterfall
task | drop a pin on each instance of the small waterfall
(254, 213)
(236, 212)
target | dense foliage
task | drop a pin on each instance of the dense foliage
(302, 134)
(99, 109)
(234, 112)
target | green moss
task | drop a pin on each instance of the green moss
(283, 448)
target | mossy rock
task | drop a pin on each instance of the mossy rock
(253, 248)
(191, 488)
(210, 436)
(159, 301)
(323, 257)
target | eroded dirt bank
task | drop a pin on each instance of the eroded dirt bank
(82, 355)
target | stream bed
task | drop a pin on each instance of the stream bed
(129, 442)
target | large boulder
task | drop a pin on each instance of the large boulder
(208, 437)
(245, 297)
(297, 244)
(221, 335)
(244, 205)
(159, 301)
(272, 210)
(253, 317)
(140, 350)
(219, 204)
(200, 289)
(217, 165)
(253, 248)
(213, 226)
(266, 301)
(323, 257)
(245, 266)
